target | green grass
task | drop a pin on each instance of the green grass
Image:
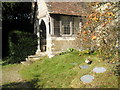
(52, 71)
(58, 72)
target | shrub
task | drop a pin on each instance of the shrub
(71, 49)
(117, 70)
(21, 44)
(87, 52)
(67, 51)
(101, 31)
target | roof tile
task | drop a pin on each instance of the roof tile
(69, 8)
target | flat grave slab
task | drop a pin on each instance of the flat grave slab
(87, 78)
(84, 66)
(74, 63)
(99, 69)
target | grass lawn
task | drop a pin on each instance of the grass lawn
(59, 72)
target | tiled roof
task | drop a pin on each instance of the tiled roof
(69, 8)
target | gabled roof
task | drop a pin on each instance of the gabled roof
(68, 8)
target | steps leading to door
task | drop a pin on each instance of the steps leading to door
(30, 59)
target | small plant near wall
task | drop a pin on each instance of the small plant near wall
(87, 52)
(67, 51)
(84, 52)
(71, 49)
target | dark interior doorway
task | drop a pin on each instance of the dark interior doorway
(43, 36)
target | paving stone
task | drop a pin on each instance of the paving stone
(74, 63)
(87, 78)
(99, 69)
(84, 66)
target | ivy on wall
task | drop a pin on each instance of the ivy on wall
(101, 30)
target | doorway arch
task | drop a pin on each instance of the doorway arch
(42, 36)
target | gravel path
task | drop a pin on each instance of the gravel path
(12, 79)
(11, 74)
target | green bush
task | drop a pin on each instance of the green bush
(67, 51)
(70, 49)
(87, 52)
(21, 44)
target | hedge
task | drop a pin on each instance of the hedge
(21, 45)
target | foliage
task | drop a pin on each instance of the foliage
(21, 45)
(71, 49)
(117, 70)
(67, 51)
(10, 10)
(100, 31)
(86, 52)
(15, 16)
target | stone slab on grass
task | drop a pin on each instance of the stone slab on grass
(99, 69)
(87, 78)
(74, 63)
(84, 66)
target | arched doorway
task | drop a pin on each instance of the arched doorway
(42, 36)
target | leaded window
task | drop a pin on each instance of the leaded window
(65, 25)
(56, 27)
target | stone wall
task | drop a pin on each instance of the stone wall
(63, 43)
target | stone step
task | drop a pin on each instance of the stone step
(33, 58)
(26, 62)
(40, 54)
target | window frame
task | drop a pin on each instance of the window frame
(72, 25)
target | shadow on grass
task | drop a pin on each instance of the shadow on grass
(8, 63)
(8, 60)
(30, 85)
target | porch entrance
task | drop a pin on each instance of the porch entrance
(42, 36)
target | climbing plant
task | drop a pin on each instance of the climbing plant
(101, 30)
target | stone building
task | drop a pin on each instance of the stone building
(57, 23)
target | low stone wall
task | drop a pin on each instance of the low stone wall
(63, 43)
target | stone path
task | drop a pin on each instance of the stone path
(99, 69)
(74, 63)
(89, 78)
(12, 75)
(13, 79)
(84, 66)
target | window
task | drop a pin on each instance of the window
(56, 23)
(56, 27)
(65, 25)
(75, 25)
